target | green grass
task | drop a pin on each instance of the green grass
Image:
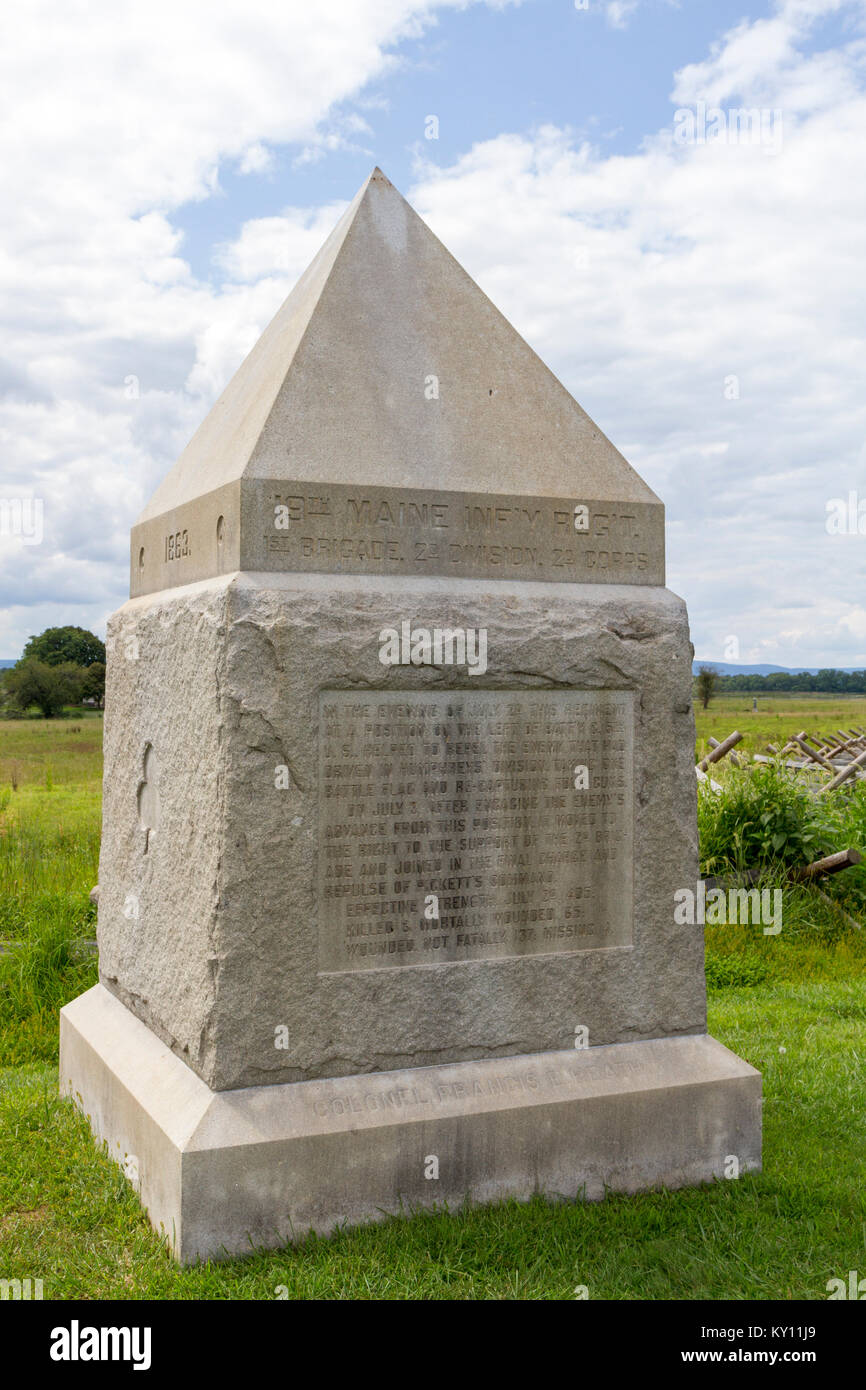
(49, 852)
(815, 946)
(72, 1220)
(778, 717)
(794, 1005)
(50, 806)
(42, 751)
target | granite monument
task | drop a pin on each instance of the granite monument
(399, 788)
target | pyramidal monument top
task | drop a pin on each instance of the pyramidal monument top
(391, 420)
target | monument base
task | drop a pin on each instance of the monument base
(223, 1172)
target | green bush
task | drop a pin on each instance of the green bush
(845, 817)
(762, 815)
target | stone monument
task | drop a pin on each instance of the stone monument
(399, 788)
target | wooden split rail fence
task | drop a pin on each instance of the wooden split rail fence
(841, 756)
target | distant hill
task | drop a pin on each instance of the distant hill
(7, 661)
(725, 668)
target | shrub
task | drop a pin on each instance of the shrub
(762, 814)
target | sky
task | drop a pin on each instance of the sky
(665, 198)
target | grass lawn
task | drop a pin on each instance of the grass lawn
(778, 717)
(794, 1005)
(69, 1217)
(50, 807)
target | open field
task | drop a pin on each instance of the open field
(793, 1004)
(777, 718)
(50, 808)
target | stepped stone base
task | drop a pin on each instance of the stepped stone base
(223, 1172)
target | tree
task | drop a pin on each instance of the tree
(58, 645)
(33, 682)
(93, 683)
(706, 684)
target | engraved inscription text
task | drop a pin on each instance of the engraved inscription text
(465, 825)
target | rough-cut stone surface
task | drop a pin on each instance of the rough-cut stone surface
(225, 948)
(163, 838)
(222, 1173)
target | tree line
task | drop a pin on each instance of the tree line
(62, 666)
(831, 681)
(709, 682)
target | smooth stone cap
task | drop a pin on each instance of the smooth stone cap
(386, 384)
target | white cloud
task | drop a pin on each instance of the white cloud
(764, 58)
(696, 267)
(286, 244)
(256, 159)
(855, 623)
(647, 282)
(114, 116)
(619, 12)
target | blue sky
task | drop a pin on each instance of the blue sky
(168, 174)
(483, 71)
